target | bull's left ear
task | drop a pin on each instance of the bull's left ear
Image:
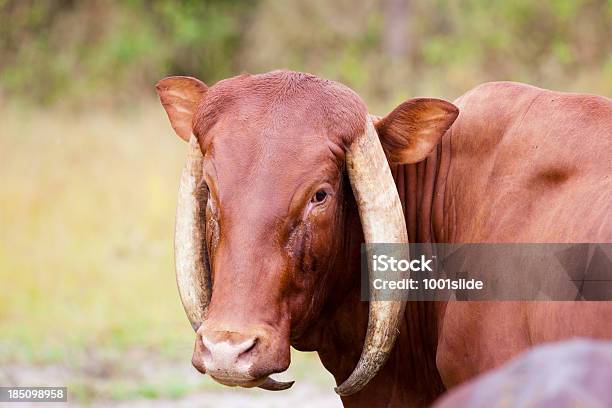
(412, 130)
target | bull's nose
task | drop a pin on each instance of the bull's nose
(243, 355)
(227, 354)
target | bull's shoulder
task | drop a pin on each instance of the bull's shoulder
(509, 89)
(496, 89)
(507, 102)
(531, 158)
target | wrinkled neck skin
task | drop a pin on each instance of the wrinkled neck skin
(410, 376)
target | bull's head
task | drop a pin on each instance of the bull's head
(259, 225)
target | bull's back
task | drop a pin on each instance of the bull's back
(527, 165)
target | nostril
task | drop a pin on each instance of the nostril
(249, 348)
(206, 354)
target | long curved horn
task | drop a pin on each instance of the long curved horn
(190, 257)
(382, 221)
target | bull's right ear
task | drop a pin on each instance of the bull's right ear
(413, 129)
(180, 97)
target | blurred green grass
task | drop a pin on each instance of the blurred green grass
(86, 225)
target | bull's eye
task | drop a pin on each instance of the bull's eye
(319, 197)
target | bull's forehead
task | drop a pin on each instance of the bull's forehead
(269, 165)
(269, 136)
(290, 103)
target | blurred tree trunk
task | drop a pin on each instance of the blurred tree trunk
(396, 44)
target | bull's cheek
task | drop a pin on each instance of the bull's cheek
(310, 251)
(305, 305)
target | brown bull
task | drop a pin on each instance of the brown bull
(286, 178)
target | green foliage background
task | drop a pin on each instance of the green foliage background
(110, 50)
